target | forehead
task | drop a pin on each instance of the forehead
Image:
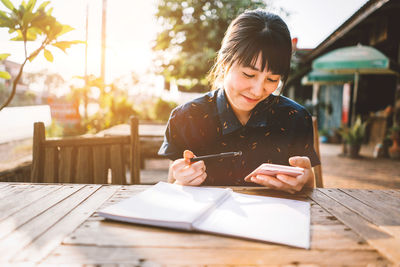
(256, 64)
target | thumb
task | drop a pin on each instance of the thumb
(187, 155)
(303, 162)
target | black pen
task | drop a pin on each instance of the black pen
(217, 156)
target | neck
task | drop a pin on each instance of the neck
(243, 117)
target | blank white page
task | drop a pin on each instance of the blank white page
(165, 204)
(268, 219)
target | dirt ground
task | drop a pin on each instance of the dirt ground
(365, 172)
(338, 172)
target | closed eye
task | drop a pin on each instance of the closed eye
(272, 80)
(248, 75)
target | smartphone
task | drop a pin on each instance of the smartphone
(274, 169)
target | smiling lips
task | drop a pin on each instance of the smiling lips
(250, 100)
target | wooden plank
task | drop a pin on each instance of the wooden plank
(117, 165)
(46, 242)
(11, 205)
(377, 199)
(374, 235)
(134, 151)
(100, 168)
(50, 165)
(377, 213)
(109, 233)
(3, 185)
(66, 167)
(34, 209)
(320, 216)
(317, 169)
(392, 192)
(379, 208)
(87, 141)
(140, 256)
(34, 228)
(123, 193)
(12, 190)
(38, 152)
(84, 166)
(27, 206)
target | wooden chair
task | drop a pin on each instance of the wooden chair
(85, 159)
(318, 168)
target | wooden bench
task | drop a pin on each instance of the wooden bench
(93, 159)
(151, 137)
(317, 169)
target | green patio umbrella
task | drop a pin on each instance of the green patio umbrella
(326, 77)
(354, 60)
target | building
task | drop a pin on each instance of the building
(374, 24)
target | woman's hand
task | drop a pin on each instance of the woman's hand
(183, 172)
(285, 182)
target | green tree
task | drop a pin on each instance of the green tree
(191, 36)
(26, 23)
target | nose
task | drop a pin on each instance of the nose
(257, 89)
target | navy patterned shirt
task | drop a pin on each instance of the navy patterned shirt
(278, 129)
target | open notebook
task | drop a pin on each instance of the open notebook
(217, 210)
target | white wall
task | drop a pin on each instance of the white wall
(17, 122)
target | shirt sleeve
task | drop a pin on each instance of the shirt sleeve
(304, 141)
(172, 146)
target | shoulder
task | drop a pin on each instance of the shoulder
(291, 107)
(196, 107)
(291, 112)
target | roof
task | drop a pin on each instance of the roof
(332, 41)
(366, 10)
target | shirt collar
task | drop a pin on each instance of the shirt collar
(228, 119)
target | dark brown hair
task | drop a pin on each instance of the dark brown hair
(249, 34)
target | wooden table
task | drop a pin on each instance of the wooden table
(145, 130)
(56, 223)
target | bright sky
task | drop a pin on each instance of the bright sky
(131, 27)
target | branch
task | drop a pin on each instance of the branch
(14, 88)
(16, 80)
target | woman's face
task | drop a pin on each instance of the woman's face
(246, 86)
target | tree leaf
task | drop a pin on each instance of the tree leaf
(191, 34)
(43, 5)
(17, 39)
(5, 75)
(49, 11)
(48, 55)
(27, 18)
(4, 56)
(31, 34)
(65, 29)
(3, 15)
(31, 4)
(63, 45)
(8, 4)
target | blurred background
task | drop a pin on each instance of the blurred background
(97, 62)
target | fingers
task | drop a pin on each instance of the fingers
(199, 179)
(187, 155)
(303, 162)
(272, 182)
(188, 174)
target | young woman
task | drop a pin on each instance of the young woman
(242, 114)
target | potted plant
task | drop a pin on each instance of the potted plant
(353, 137)
(394, 135)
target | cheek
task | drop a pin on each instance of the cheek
(235, 83)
